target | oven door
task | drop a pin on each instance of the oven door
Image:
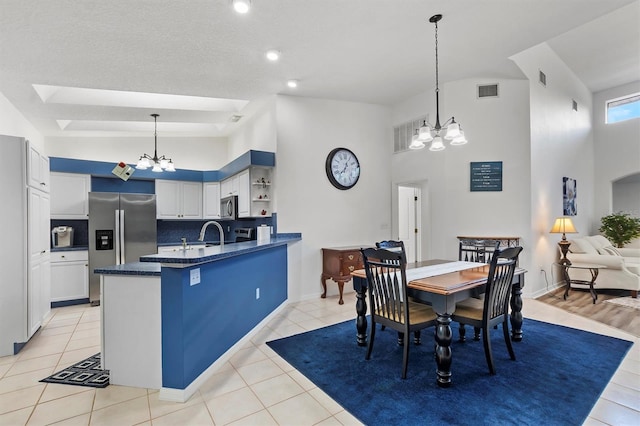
(228, 207)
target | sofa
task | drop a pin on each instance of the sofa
(622, 264)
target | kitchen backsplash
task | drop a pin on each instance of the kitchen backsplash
(172, 231)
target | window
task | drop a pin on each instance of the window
(624, 108)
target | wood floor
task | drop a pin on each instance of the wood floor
(579, 302)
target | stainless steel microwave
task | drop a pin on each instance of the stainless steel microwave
(229, 207)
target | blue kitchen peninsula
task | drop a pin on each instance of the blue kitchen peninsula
(170, 320)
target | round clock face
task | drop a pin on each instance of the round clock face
(343, 168)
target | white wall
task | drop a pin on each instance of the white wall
(259, 132)
(308, 129)
(561, 146)
(626, 198)
(617, 149)
(497, 130)
(186, 153)
(13, 123)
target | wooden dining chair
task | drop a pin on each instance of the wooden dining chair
(388, 301)
(392, 245)
(474, 250)
(494, 309)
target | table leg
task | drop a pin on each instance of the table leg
(361, 315)
(567, 279)
(323, 281)
(516, 310)
(594, 275)
(443, 350)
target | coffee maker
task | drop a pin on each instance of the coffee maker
(62, 236)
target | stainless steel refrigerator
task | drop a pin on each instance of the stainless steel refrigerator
(122, 227)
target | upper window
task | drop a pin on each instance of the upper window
(624, 108)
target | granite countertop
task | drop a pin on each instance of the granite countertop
(133, 268)
(74, 248)
(150, 265)
(194, 255)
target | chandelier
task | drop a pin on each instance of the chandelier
(428, 133)
(159, 164)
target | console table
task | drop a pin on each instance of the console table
(504, 241)
(338, 263)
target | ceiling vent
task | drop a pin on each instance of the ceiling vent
(488, 90)
(542, 77)
(235, 118)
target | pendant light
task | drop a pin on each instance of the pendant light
(159, 164)
(427, 132)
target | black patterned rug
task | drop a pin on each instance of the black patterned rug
(84, 373)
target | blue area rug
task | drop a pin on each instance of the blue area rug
(557, 378)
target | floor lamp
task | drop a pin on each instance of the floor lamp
(563, 225)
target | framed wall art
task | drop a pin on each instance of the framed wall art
(569, 196)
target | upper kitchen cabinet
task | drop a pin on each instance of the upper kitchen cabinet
(178, 199)
(244, 194)
(69, 195)
(211, 200)
(37, 168)
(229, 186)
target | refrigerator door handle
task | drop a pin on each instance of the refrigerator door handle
(123, 259)
(117, 237)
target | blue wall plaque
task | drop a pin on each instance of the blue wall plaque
(486, 176)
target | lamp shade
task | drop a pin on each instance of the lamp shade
(563, 225)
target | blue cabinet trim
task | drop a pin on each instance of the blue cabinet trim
(104, 169)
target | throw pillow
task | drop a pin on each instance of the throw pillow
(610, 250)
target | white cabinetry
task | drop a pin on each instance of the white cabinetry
(69, 275)
(69, 195)
(37, 169)
(211, 200)
(25, 264)
(244, 194)
(229, 186)
(178, 199)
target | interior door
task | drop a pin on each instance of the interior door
(409, 221)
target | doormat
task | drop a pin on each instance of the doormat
(84, 373)
(629, 302)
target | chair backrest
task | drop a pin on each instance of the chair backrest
(477, 250)
(498, 289)
(394, 246)
(387, 284)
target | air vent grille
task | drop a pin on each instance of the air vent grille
(488, 91)
(403, 133)
(542, 78)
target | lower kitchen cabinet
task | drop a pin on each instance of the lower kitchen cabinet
(69, 276)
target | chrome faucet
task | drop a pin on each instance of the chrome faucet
(204, 229)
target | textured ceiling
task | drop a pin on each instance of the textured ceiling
(373, 51)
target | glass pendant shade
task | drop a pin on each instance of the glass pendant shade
(453, 131)
(437, 144)
(156, 168)
(425, 133)
(416, 143)
(170, 167)
(164, 163)
(158, 163)
(143, 163)
(459, 140)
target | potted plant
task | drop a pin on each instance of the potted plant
(620, 228)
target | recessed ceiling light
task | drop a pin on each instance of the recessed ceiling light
(292, 83)
(273, 55)
(242, 6)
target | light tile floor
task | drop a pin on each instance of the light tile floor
(256, 386)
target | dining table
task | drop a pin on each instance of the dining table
(443, 283)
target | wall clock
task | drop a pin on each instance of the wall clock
(343, 168)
